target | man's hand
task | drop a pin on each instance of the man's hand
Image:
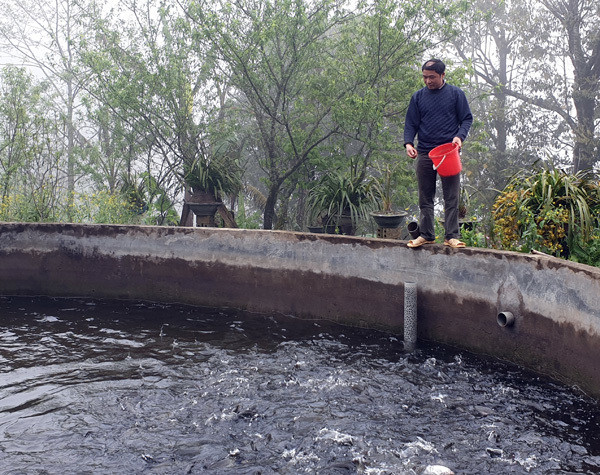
(458, 141)
(411, 151)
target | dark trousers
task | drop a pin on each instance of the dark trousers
(427, 178)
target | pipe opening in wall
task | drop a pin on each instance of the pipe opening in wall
(505, 319)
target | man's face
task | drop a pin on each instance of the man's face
(432, 79)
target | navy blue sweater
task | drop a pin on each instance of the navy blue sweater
(436, 117)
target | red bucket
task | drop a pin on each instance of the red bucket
(446, 159)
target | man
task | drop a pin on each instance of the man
(437, 114)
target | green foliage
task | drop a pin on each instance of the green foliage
(249, 221)
(104, 207)
(134, 193)
(244, 219)
(587, 251)
(150, 84)
(384, 189)
(439, 230)
(34, 207)
(548, 210)
(22, 126)
(339, 194)
(101, 207)
(473, 237)
(148, 200)
(218, 175)
(394, 184)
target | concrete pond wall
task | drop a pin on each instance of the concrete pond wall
(352, 280)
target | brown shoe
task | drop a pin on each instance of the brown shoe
(419, 242)
(454, 243)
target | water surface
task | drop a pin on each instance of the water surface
(131, 387)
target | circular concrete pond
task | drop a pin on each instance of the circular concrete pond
(307, 370)
(554, 306)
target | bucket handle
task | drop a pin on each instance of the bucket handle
(435, 167)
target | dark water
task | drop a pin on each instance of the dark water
(114, 387)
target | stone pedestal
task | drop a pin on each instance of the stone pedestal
(389, 233)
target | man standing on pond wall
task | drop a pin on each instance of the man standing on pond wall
(437, 114)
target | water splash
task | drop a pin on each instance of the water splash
(138, 387)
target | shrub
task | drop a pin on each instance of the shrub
(548, 210)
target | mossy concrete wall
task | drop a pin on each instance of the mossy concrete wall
(357, 281)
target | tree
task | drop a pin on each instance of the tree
(43, 38)
(502, 139)
(147, 74)
(270, 51)
(113, 147)
(578, 19)
(17, 98)
(545, 56)
(30, 149)
(306, 78)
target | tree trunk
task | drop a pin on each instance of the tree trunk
(70, 150)
(584, 150)
(269, 214)
(585, 91)
(585, 57)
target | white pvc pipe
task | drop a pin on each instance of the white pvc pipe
(410, 316)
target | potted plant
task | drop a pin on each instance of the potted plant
(316, 228)
(207, 180)
(340, 200)
(386, 217)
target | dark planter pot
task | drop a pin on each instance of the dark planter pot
(329, 225)
(389, 220)
(343, 224)
(346, 225)
(205, 213)
(469, 225)
(413, 229)
(329, 229)
(204, 209)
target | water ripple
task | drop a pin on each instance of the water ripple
(117, 387)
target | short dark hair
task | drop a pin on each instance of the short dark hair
(436, 65)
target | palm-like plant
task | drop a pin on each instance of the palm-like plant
(392, 183)
(213, 177)
(216, 173)
(134, 191)
(554, 188)
(548, 208)
(337, 195)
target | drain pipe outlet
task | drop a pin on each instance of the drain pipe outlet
(410, 316)
(413, 229)
(506, 319)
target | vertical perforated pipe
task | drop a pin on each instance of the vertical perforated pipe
(410, 316)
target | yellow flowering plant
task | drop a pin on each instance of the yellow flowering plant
(547, 210)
